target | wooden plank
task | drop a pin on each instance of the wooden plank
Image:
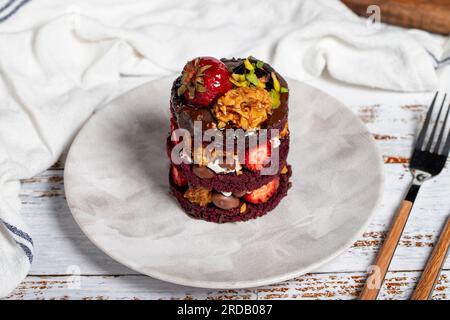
(432, 16)
(398, 285)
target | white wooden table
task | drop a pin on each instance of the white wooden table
(68, 266)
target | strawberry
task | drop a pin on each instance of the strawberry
(177, 177)
(264, 193)
(204, 79)
(256, 158)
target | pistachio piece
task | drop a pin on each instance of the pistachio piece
(259, 64)
(275, 98)
(253, 79)
(276, 83)
(238, 77)
(261, 85)
(248, 65)
(239, 83)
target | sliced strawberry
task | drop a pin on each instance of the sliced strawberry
(256, 158)
(177, 177)
(264, 193)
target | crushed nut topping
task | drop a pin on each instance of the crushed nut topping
(246, 107)
(285, 131)
(198, 195)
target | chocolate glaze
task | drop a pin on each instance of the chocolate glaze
(188, 115)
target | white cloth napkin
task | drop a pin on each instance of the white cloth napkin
(59, 63)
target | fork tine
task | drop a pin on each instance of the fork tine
(441, 135)
(446, 149)
(436, 123)
(423, 132)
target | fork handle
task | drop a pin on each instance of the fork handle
(434, 265)
(383, 260)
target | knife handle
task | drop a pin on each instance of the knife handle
(383, 260)
(434, 265)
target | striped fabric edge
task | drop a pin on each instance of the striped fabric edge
(10, 8)
(8, 4)
(27, 251)
(22, 239)
(438, 63)
(7, 10)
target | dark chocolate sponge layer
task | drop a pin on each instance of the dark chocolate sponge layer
(214, 214)
(231, 182)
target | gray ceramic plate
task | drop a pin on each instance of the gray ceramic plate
(116, 182)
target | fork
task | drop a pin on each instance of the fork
(428, 160)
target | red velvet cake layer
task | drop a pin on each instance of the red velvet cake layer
(214, 214)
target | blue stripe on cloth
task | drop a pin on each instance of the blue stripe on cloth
(18, 232)
(7, 5)
(14, 10)
(22, 235)
(27, 251)
(444, 60)
(438, 62)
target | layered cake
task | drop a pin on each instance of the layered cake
(229, 139)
